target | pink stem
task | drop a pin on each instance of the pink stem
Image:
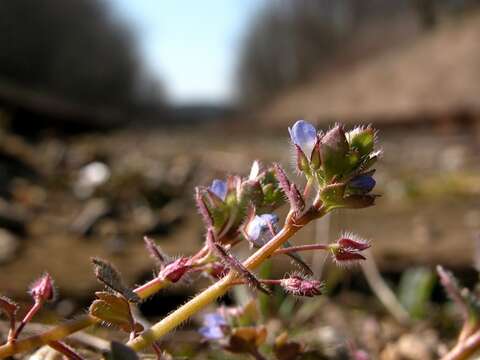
(292, 249)
(31, 313)
(65, 350)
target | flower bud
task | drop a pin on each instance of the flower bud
(333, 150)
(352, 241)
(347, 256)
(217, 270)
(42, 289)
(347, 250)
(362, 184)
(251, 191)
(174, 271)
(362, 139)
(304, 136)
(297, 203)
(300, 286)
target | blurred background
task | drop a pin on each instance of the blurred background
(112, 111)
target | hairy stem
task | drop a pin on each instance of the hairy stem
(181, 314)
(63, 330)
(55, 334)
(294, 249)
(218, 289)
(30, 314)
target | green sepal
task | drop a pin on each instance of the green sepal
(362, 140)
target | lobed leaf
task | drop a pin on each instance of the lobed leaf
(108, 275)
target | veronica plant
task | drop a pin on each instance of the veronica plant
(337, 166)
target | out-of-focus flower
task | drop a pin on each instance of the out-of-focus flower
(214, 326)
(90, 177)
(301, 286)
(219, 188)
(258, 229)
(304, 135)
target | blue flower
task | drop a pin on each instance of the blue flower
(213, 326)
(219, 188)
(363, 183)
(304, 135)
(259, 226)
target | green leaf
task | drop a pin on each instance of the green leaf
(415, 290)
(113, 309)
(8, 306)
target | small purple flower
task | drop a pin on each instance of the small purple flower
(259, 226)
(214, 326)
(304, 135)
(219, 188)
(363, 183)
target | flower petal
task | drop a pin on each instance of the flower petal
(254, 228)
(212, 333)
(364, 183)
(219, 188)
(269, 218)
(304, 135)
(214, 319)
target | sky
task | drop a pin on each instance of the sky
(191, 45)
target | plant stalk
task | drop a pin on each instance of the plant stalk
(63, 330)
(218, 289)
